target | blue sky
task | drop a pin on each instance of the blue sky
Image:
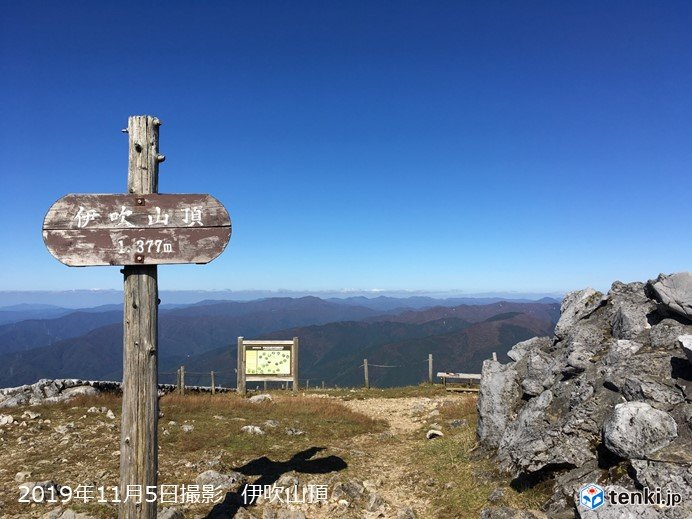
(475, 146)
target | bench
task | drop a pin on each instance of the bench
(468, 378)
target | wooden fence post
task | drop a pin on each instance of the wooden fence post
(182, 380)
(177, 381)
(430, 368)
(294, 367)
(323, 384)
(240, 377)
(307, 384)
(365, 371)
(213, 383)
(140, 413)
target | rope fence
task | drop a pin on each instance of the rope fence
(197, 380)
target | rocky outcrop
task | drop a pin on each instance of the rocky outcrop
(47, 391)
(50, 391)
(607, 400)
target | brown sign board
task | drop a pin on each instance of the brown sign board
(119, 229)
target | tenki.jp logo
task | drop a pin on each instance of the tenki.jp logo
(592, 496)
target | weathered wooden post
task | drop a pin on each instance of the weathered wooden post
(240, 377)
(430, 368)
(495, 356)
(182, 380)
(307, 384)
(365, 372)
(177, 381)
(294, 366)
(213, 383)
(323, 384)
(139, 230)
(140, 413)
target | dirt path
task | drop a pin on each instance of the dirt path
(403, 414)
(392, 455)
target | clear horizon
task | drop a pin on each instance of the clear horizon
(88, 298)
(494, 146)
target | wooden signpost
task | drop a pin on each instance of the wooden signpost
(139, 230)
(88, 230)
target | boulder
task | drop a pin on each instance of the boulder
(646, 389)
(16, 400)
(674, 292)
(540, 372)
(673, 477)
(251, 429)
(374, 502)
(621, 351)
(22, 476)
(579, 356)
(350, 490)
(664, 334)
(522, 348)
(260, 398)
(636, 430)
(497, 397)
(629, 307)
(575, 306)
(72, 392)
(534, 442)
(651, 365)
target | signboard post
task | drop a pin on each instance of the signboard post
(263, 361)
(139, 230)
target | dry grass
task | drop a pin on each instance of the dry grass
(217, 421)
(88, 453)
(462, 480)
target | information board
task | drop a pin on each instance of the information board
(268, 360)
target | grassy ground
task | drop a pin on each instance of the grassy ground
(463, 480)
(378, 436)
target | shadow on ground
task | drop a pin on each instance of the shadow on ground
(269, 472)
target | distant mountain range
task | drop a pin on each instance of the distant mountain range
(80, 298)
(336, 335)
